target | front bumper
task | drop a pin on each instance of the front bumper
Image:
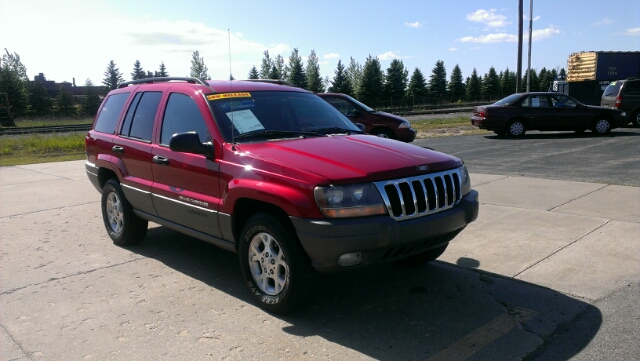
(381, 238)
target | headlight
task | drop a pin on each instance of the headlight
(356, 200)
(466, 180)
(404, 124)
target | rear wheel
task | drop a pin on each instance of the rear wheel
(274, 265)
(516, 128)
(122, 225)
(601, 126)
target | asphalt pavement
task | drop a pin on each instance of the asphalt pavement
(550, 270)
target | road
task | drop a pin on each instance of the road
(529, 279)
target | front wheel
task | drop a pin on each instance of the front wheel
(383, 133)
(122, 225)
(635, 119)
(601, 126)
(274, 265)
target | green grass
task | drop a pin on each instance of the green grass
(41, 122)
(58, 147)
(41, 148)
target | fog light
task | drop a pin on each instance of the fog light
(350, 259)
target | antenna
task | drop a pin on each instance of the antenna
(233, 142)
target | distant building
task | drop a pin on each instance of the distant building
(53, 88)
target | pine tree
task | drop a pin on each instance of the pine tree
(198, 67)
(474, 89)
(371, 86)
(314, 79)
(395, 84)
(91, 101)
(253, 73)
(417, 89)
(41, 104)
(341, 83)
(438, 82)
(138, 72)
(66, 104)
(112, 76)
(354, 74)
(14, 82)
(456, 86)
(491, 85)
(162, 72)
(507, 83)
(279, 64)
(274, 73)
(534, 81)
(296, 70)
(266, 66)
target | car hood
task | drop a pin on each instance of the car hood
(388, 115)
(349, 159)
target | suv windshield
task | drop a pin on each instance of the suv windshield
(276, 115)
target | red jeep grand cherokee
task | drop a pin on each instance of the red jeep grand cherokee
(273, 173)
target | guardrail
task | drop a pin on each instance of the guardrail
(46, 129)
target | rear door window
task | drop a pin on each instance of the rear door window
(612, 89)
(138, 123)
(110, 113)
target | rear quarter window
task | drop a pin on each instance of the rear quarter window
(612, 89)
(110, 113)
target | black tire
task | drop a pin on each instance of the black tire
(516, 128)
(274, 265)
(635, 119)
(601, 126)
(123, 226)
(424, 257)
(383, 133)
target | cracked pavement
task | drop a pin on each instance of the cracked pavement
(528, 269)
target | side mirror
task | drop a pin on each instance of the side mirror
(190, 143)
(360, 126)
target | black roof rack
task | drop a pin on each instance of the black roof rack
(270, 81)
(163, 79)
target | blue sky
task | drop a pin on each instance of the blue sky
(68, 39)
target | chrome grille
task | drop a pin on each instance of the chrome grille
(419, 196)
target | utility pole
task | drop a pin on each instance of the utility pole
(530, 33)
(519, 67)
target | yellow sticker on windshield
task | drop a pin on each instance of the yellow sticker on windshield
(228, 95)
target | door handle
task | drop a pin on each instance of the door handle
(117, 149)
(160, 160)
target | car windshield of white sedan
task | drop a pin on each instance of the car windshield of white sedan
(508, 100)
(259, 116)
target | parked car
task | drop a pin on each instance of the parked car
(375, 122)
(273, 173)
(517, 113)
(624, 95)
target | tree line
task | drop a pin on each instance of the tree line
(366, 82)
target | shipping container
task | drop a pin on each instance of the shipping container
(603, 65)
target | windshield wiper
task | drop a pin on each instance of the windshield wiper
(334, 130)
(272, 134)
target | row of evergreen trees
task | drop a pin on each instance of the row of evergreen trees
(393, 88)
(367, 83)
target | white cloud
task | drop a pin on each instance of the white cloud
(388, 55)
(414, 25)
(489, 18)
(508, 38)
(605, 21)
(632, 32)
(453, 49)
(331, 56)
(490, 38)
